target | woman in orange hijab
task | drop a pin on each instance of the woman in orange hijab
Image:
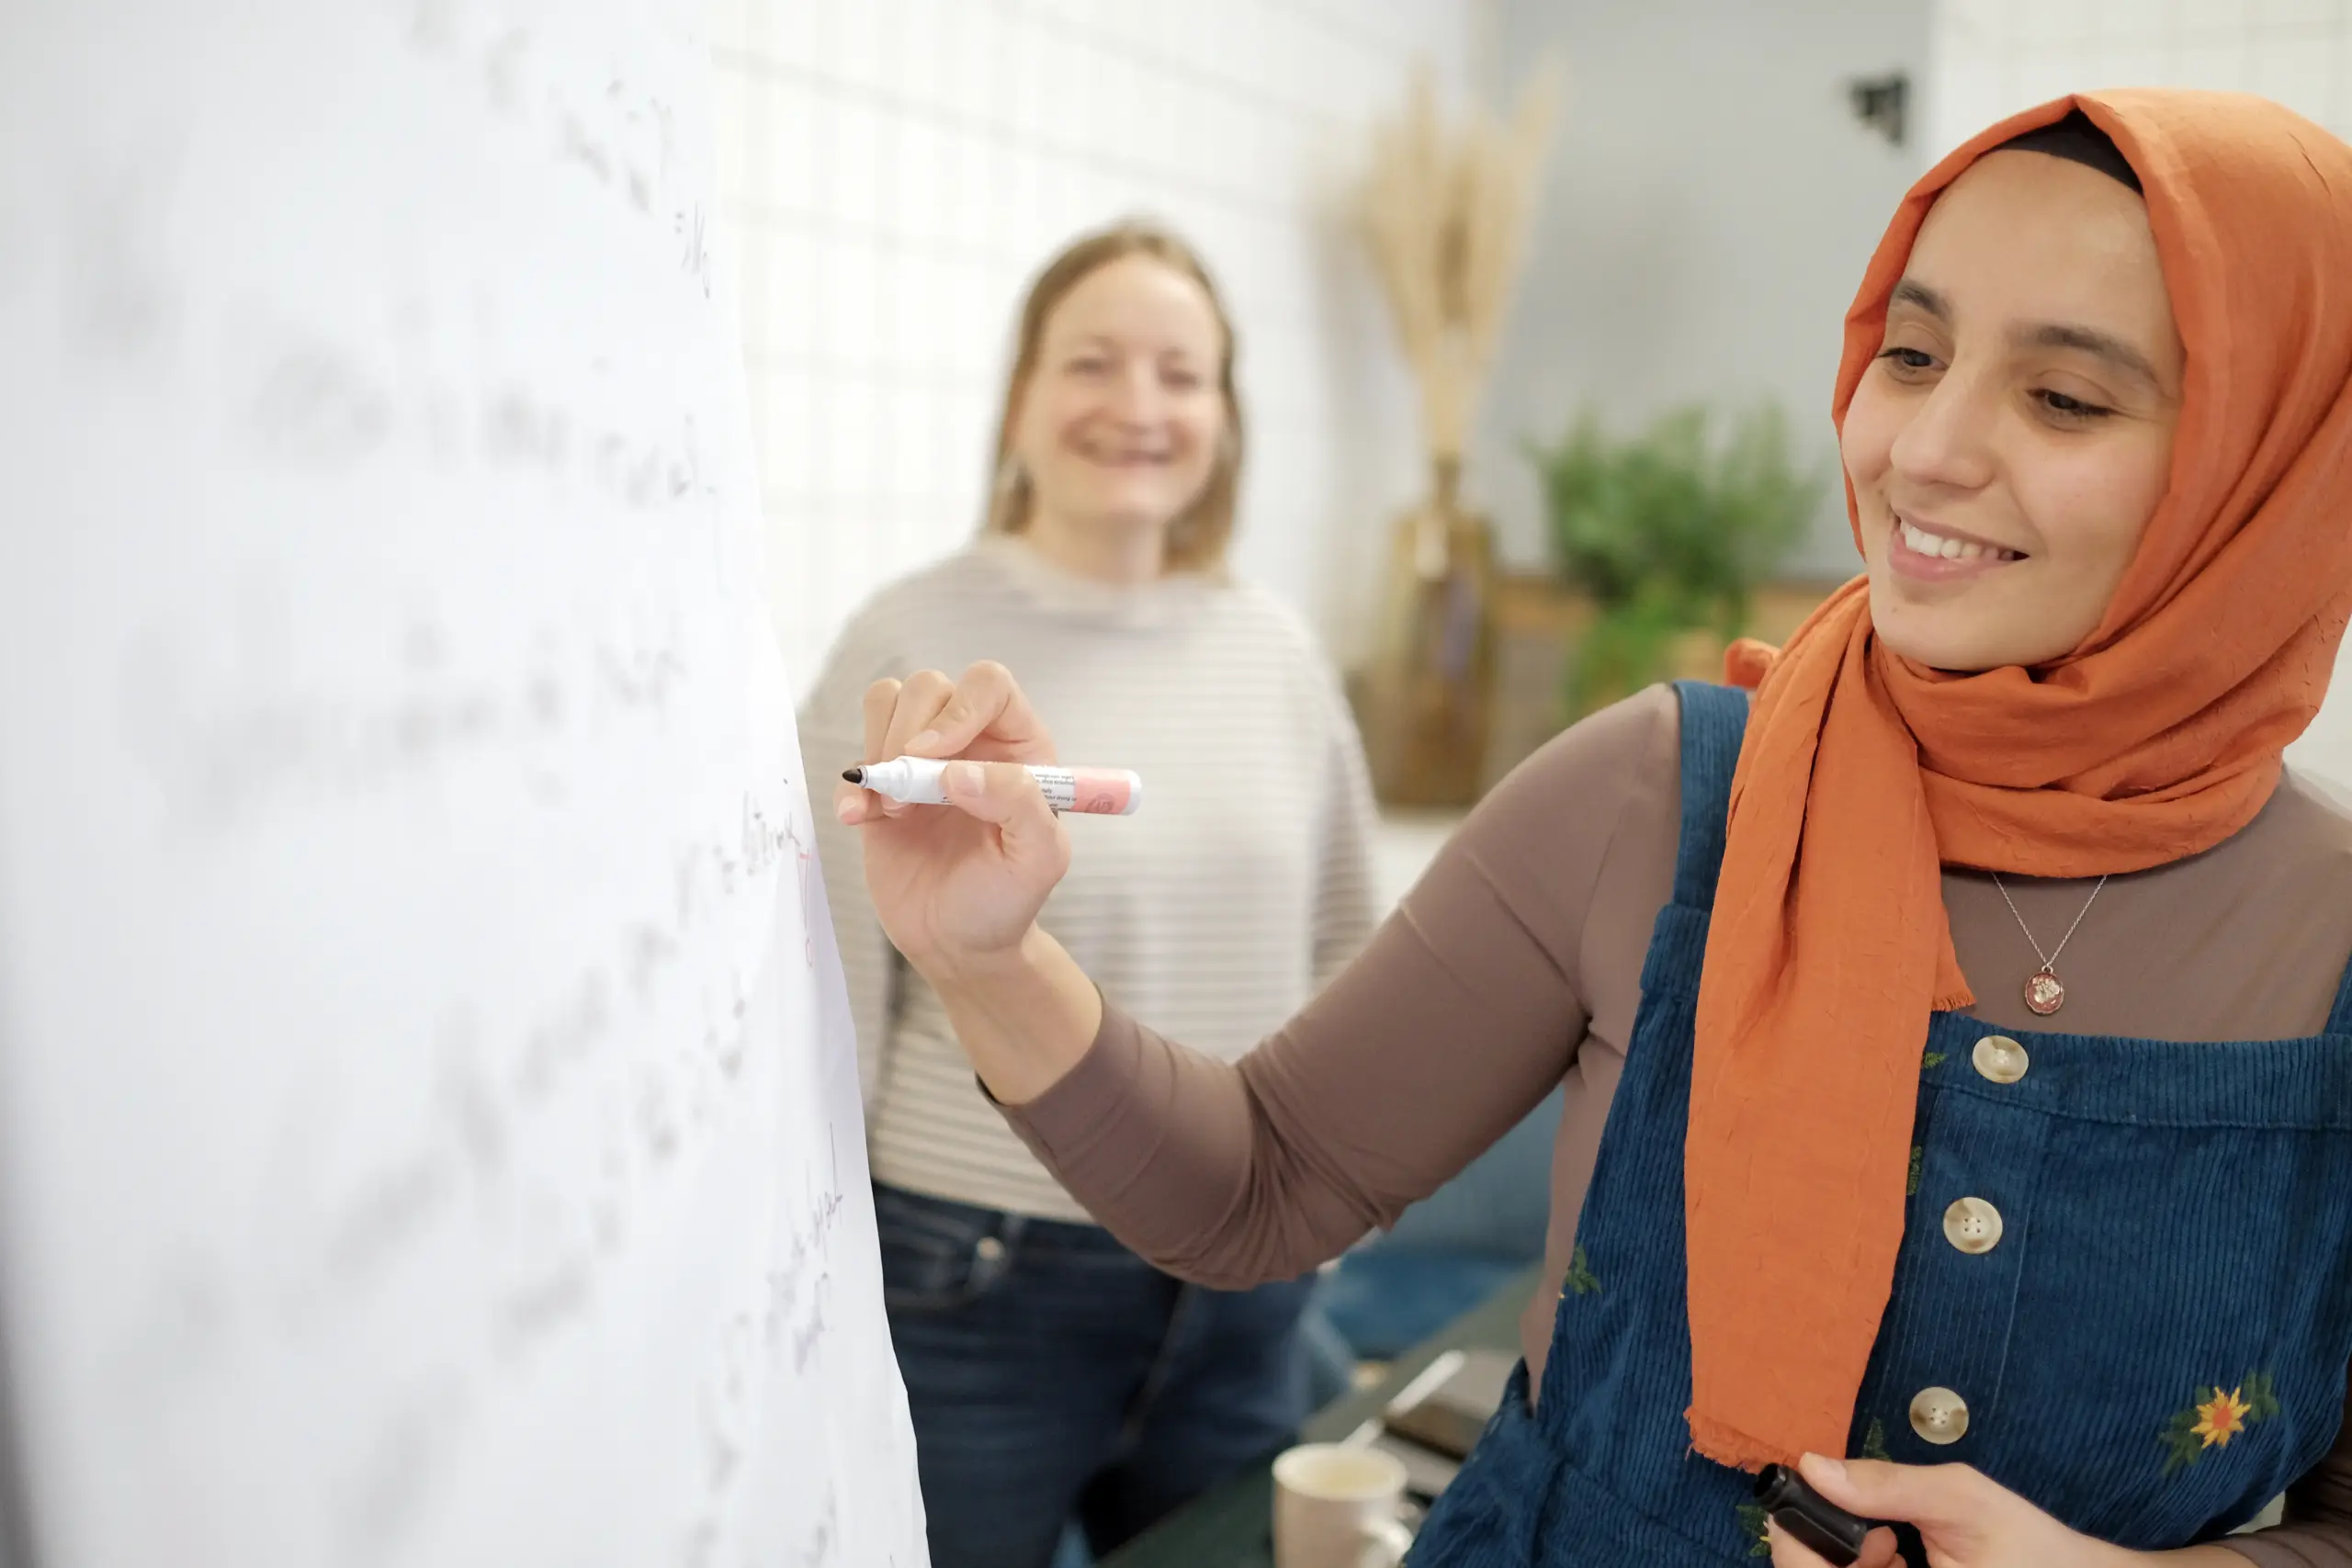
(2053, 1253)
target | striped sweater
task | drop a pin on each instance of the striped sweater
(1242, 883)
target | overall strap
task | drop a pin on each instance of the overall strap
(1715, 720)
(2340, 1021)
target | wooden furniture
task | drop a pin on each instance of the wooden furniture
(1537, 620)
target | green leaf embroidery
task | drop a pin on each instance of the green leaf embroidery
(1875, 1440)
(1580, 1278)
(2182, 1445)
(1932, 1060)
(1918, 1158)
(2214, 1416)
(1756, 1522)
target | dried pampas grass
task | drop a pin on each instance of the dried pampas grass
(1447, 213)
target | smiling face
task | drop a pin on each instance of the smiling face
(1120, 415)
(2014, 434)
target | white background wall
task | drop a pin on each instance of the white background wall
(1995, 57)
(1992, 58)
(894, 171)
(1710, 206)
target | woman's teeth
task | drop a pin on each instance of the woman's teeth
(1921, 542)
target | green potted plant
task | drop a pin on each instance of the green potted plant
(1670, 532)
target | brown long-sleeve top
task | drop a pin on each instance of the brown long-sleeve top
(1515, 964)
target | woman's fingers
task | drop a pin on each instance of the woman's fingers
(921, 696)
(853, 806)
(1787, 1553)
(1007, 794)
(1878, 1551)
(986, 703)
(881, 700)
(1857, 1486)
(893, 710)
(1929, 1495)
(927, 714)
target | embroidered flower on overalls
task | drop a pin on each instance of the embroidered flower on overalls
(2214, 1416)
(2221, 1419)
(1579, 1278)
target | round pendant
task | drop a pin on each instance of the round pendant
(2044, 995)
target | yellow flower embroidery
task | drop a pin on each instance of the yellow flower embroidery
(2215, 1415)
(2221, 1419)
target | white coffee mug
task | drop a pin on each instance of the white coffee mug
(1335, 1507)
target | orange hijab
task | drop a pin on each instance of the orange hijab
(1863, 774)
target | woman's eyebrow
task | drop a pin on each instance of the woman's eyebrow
(2091, 341)
(2042, 335)
(1908, 292)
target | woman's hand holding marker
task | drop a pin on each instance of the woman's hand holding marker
(1965, 1520)
(958, 890)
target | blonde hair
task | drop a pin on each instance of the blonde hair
(1197, 540)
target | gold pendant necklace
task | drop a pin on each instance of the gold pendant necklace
(2044, 994)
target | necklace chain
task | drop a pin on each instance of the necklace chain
(2049, 959)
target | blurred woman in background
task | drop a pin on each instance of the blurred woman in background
(1054, 1375)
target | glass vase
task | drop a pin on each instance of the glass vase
(1427, 692)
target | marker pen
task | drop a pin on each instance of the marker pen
(1812, 1521)
(914, 781)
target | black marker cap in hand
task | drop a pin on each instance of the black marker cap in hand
(1811, 1520)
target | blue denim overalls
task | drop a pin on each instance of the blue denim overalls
(2121, 1291)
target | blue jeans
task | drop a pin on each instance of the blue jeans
(1055, 1376)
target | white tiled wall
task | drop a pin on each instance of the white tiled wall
(1992, 58)
(893, 171)
(1995, 57)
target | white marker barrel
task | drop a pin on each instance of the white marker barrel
(915, 781)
